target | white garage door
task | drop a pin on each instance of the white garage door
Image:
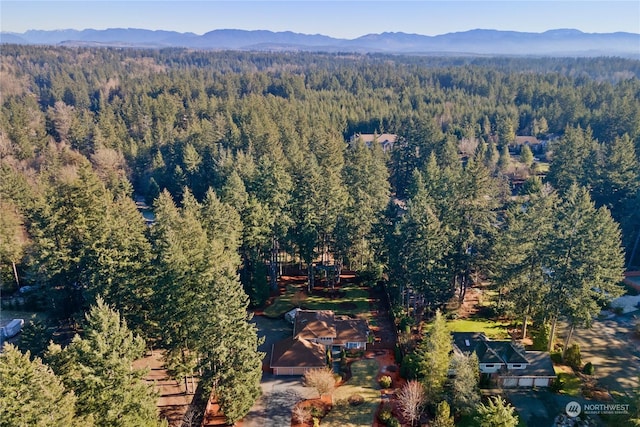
(526, 382)
(541, 382)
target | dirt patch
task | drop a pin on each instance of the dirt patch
(311, 408)
(173, 400)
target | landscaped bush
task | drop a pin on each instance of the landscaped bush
(385, 414)
(409, 367)
(556, 385)
(556, 358)
(397, 351)
(541, 337)
(405, 324)
(572, 357)
(316, 412)
(393, 422)
(356, 400)
(385, 381)
(589, 369)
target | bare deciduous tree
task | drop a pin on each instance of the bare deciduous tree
(320, 379)
(301, 414)
(411, 400)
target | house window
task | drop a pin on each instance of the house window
(488, 366)
(517, 366)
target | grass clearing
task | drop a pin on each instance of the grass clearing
(363, 383)
(281, 304)
(354, 301)
(571, 384)
(491, 328)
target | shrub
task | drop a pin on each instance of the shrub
(300, 414)
(556, 358)
(572, 357)
(398, 351)
(557, 385)
(385, 414)
(385, 381)
(405, 324)
(393, 422)
(316, 412)
(589, 369)
(356, 400)
(409, 367)
(541, 337)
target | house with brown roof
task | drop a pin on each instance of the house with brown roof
(315, 332)
(293, 356)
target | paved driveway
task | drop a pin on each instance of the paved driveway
(279, 396)
(540, 407)
(279, 393)
(614, 351)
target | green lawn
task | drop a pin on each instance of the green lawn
(363, 382)
(355, 301)
(571, 384)
(491, 328)
(281, 304)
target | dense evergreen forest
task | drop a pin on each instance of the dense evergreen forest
(245, 159)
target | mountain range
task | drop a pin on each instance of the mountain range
(561, 42)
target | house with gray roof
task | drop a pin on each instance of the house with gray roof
(506, 361)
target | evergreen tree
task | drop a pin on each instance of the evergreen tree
(571, 155)
(586, 261)
(98, 368)
(526, 156)
(496, 413)
(202, 308)
(443, 416)
(524, 273)
(12, 241)
(424, 245)
(32, 395)
(434, 353)
(465, 391)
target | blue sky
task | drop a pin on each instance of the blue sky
(345, 19)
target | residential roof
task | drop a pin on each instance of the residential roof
(486, 354)
(313, 324)
(540, 365)
(351, 330)
(507, 352)
(292, 352)
(371, 137)
(531, 140)
(466, 342)
(488, 351)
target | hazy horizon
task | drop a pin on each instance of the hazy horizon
(336, 19)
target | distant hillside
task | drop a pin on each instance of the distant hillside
(563, 42)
